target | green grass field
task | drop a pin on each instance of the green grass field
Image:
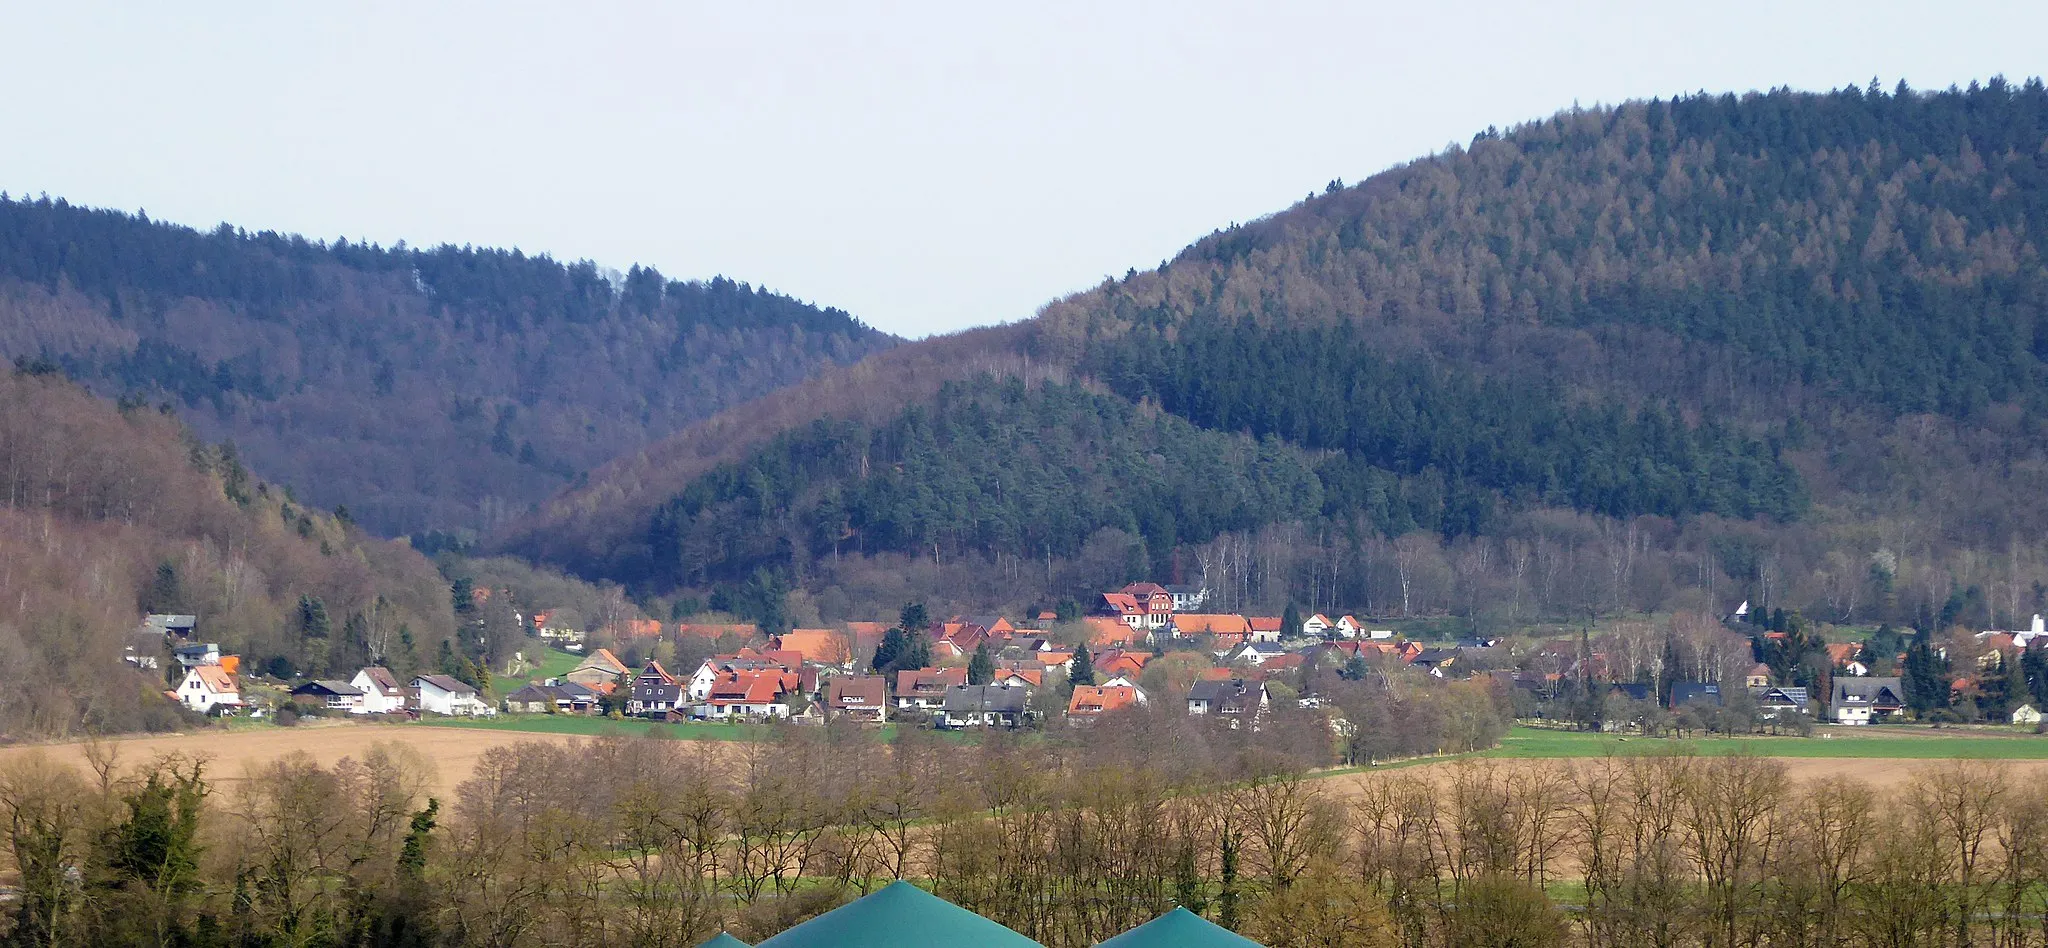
(554, 663)
(1889, 743)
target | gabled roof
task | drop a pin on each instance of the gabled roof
(1265, 623)
(383, 680)
(858, 691)
(1876, 692)
(602, 660)
(216, 679)
(900, 915)
(752, 687)
(929, 680)
(823, 646)
(1106, 631)
(1091, 699)
(653, 669)
(1197, 623)
(445, 683)
(1034, 677)
(1227, 694)
(1179, 928)
(969, 699)
(328, 686)
(1143, 589)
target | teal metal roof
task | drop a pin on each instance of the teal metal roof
(1180, 928)
(723, 940)
(899, 915)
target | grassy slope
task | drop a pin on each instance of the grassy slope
(554, 663)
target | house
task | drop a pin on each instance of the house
(2026, 714)
(1265, 628)
(750, 694)
(1315, 626)
(1230, 696)
(1254, 653)
(1104, 631)
(2022, 639)
(1775, 700)
(1846, 658)
(817, 646)
(655, 693)
(193, 656)
(1435, 660)
(598, 672)
(170, 626)
(1142, 606)
(984, 706)
(747, 659)
(1187, 598)
(1631, 690)
(382, 694)
(1218, 624)
(1704, 694)
(1349, 627)
(1090, 702)
(441, 694)
(207, 687)
(924, 689)
(863, 698)
(1008, 676)
(636, 629)
(330, 694)
(1759, 676)
(554, 695)
(1864, 700)
(1118, 663)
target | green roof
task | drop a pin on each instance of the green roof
(723, 940)
(1180, 928)
(900, 915)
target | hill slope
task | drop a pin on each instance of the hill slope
(442, 388)
(107, 514)
(1784, 346)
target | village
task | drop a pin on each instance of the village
(1142, 646)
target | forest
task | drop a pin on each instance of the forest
(354, 373)
(108, 513)
(1671, 354)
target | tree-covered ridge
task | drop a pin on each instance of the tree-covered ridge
(358, 372)
(1484, 439)
(988, 467)
(1878, 246)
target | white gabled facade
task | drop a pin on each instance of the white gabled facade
(207, 687)
(440, 694)
(382, 693)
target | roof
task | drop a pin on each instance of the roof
(383, 679)
(858, 691)
(1143, 589)
(1695, 692)
(1227, 694)
(603, 660)
(1195, 623)
(752, 687)
(972, 698)
(532, 693)
(712, 630)
(447, 684)
(327, 686)
(1883, 692)
(640, 628)
(1179, 928)
(1842, 653)
(823, 646)
(913, 680)
(1760, 670)
(654, 669)
(216, 679)
(1091, 699)
(1030, 676)
(900, 915)
(1265, 624)
(723, 940)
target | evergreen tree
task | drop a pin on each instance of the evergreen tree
(166, 592)
(914, 618)
(1355, 667)
(981, 669)
(1290, 621)
(1083, 671)
(1925, 682)
(887, 650)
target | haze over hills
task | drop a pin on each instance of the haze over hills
(422, 389)
(1785, 346)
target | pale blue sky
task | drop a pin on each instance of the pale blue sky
(927, 166)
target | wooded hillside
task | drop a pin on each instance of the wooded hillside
(1783, 346)
(425, 389)
(107, 514)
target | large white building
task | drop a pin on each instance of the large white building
(440, 694)
(209, 686)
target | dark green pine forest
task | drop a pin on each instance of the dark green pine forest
(440, 389)
(1672, 354)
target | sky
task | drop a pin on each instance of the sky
(926, 166)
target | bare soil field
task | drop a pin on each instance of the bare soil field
(454, 751)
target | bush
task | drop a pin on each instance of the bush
(287, 717)
(1503, 912)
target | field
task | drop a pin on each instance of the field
(1878, 742)
(554, 663)
(579, 725)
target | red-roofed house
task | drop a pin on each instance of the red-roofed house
(750, 694)
(1105, 631)
(863, 698)
(1112, 664)
(1010, 677)
(1265, 628)
(817, 646)
(207, 687)
(924, 689)
(1211, 624)
(1090, 702)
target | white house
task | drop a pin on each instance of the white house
(330, 694)
(1349, 627)
(1863, 700)
(382, 694)
(209, 686)
(193, 656)
(1315, 626)
(2025, 714)
(441, 694)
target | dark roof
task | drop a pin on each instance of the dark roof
(1179, 928)
(532, 693)
(723, 940)
(969, 699)
(1780, 697)
(1695, 692)
(327, 687)
(1882, 692)
(445, 683)
(870, 691)
(1635, 690)
(1431, 656)
(899, 915)
(1228, 694)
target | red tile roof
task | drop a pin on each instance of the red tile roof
(1089, 700)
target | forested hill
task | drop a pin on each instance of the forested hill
(107, 514)
(442, 388)
(1783, 346)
